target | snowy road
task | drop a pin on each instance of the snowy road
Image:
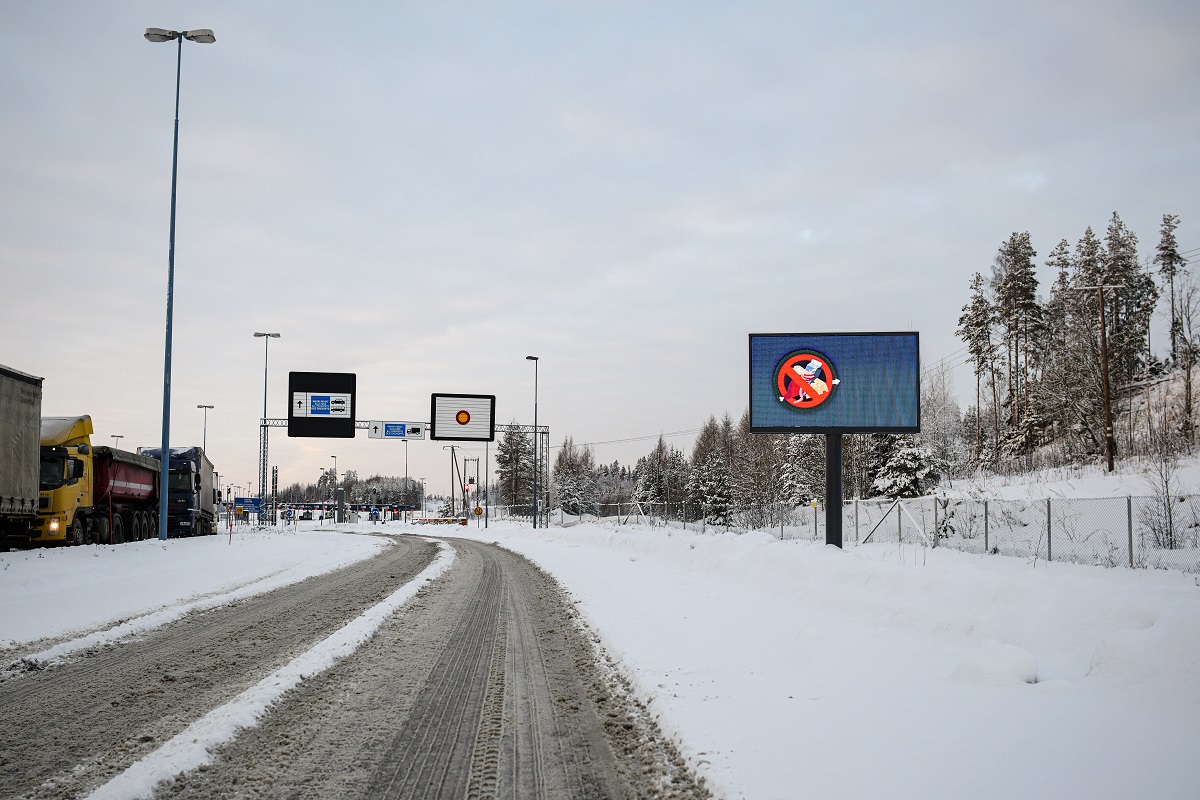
(483, 686)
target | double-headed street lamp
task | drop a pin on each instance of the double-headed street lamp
(117, 437)
(536, 460)
(204, 437)
(262, 428)
(200, 36)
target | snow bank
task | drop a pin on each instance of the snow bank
(53, 592)
(790, 669)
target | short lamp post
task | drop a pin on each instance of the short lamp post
(200, 36)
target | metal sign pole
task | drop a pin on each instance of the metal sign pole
(833, 489)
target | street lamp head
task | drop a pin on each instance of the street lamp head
(204, 406)
(161, 35)
(531, 358)
(200, 36)
(258, 335)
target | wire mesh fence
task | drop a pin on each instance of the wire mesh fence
(1139, 532)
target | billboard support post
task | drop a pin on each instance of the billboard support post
(833, 489)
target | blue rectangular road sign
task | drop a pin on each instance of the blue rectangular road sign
(392, 429)
(249, 504)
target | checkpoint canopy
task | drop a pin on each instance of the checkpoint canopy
(463, 417)
(321, 404)
(835, 383)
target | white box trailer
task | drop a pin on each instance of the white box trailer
(20, 452)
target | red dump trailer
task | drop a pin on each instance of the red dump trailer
(125, 495)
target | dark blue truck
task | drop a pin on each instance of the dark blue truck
(191, 497)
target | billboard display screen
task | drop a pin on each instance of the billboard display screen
(835, 383)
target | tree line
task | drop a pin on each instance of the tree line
(1041, 365)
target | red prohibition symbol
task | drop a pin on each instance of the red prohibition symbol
(462, 417)
(805, 379)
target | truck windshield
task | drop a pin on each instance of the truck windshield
(52, 473)
(180, 482)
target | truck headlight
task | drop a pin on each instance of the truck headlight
(54, 525)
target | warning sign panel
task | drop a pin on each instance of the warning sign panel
(463, 417)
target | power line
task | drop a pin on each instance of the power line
(634, 438)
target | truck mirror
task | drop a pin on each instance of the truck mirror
(199, 486)
(84, 449)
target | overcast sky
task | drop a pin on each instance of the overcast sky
(424, 194)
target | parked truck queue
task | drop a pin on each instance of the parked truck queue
(57, 488)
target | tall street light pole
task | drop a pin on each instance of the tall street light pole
(262, 428)
(200, 36)
(536, 439)
(204, 437)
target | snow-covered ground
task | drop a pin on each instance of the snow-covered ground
(786, 668)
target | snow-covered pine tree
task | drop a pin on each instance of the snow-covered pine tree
(1170, 265)
(975, 329)
(910, 471)
(1014, 284)
(756, 476)
(709, 482)
(514, 467)
(801, 459)
(575, 479)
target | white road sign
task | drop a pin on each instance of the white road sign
(463, 417)
(321, 404)
(382, 429)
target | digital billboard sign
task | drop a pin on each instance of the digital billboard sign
(835, 383)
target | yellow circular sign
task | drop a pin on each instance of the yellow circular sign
(462, 417)
(478, 511)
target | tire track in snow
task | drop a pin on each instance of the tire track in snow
(190, 748)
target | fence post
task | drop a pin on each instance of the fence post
(1049, 551)
(856, 520)
(1129, 523)
(986, 549)
(899, 523)
(935, 527)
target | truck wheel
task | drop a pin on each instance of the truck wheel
(152, 531)
(118, 529)
(76, 533)
(100, 533)
(139, 526)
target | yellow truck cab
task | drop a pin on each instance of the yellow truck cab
(66, 479)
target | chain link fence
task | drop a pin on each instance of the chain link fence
(1139, 532)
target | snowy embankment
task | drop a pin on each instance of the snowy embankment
(789, 669)
(118, 591)
(1136, 477)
